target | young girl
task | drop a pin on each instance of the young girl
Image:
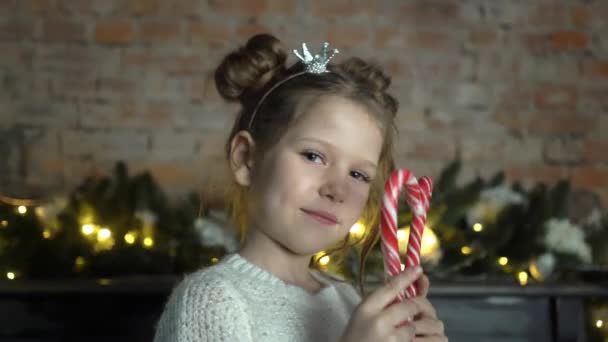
(309, 153)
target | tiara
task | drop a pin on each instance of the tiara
(316, 64)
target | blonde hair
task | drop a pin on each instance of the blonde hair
(247, 74)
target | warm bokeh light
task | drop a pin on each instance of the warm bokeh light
(4, 223)
(599, 323)
(324, 260)
(103, 234)
(522, 277)
(477, 227)
(466, 250)
(88, 229)
(148, 242)
(130, 238)
(503, 261)
(430, 243)
(357, 229)
(46, 234)
(22, 209)
(10, 275)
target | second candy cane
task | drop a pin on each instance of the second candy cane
(417, 195)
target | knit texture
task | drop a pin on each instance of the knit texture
(235, 300)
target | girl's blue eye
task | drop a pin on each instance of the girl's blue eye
(313, 156)
(360, 176)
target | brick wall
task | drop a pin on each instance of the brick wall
(518, 85)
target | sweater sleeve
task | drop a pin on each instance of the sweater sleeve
(203, 309)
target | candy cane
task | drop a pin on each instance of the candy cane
(418, 198)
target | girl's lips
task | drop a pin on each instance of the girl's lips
(322, 216)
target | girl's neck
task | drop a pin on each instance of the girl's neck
(291, 268)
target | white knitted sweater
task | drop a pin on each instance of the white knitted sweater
(235, 300)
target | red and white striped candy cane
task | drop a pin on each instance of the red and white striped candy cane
(418, 195)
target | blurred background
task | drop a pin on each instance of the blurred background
(112, 170)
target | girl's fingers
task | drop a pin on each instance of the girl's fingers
(427, 326)
(422, 285)
(385, 295)
(426, 308)
(400, 312)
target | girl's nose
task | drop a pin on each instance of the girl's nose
(334, 189)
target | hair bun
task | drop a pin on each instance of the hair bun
(373, 77)
(250, 68)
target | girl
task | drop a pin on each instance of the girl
(309, 153)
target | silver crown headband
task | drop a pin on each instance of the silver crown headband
(316, 64)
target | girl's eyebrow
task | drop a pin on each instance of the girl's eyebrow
(327, 144)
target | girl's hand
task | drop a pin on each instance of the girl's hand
(374, 320)
(427, 326)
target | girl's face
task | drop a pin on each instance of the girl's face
(312, 186)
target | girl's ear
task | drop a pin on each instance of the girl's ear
(242, 149)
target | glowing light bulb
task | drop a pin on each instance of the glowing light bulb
(599, 323)
(148, 242)
(401, 234)
(46, 234)
(357, 228)
(4, 223)
(522, 277)
(324, 260)
(103, 234)
(466, 250)
(503, 261)
(130, 238)
(477, 227)
(88, 229)
(10, 275)
(22, 209)
(214, 260)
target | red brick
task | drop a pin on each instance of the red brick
(116, 85)
(596, 150)
(552, 122)
(143, 7)
(396, 69)
(281, 7)
(184, 8)
(387, 37)
(114, 32)
(38, 6)
(433, 150)
(342, 8)
(580, 16)
(536, 173)
(551, 14)
(214, 35)
(160, 31)
(428, 40)
(536, 42)
(428, 12)
(60, 30)
(515, 97)
(482, 37)
(567, 40)
(590, 177)
(184, 65)
(555, 97)
(348, 37)
(16, 30)
(246, 31)
(239, 7)
(596, 70)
